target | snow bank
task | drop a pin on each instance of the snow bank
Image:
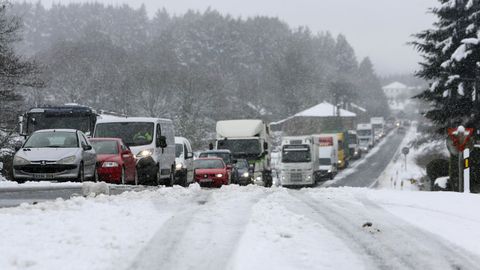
(105, 232)
(453, 216)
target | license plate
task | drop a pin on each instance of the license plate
(206, 180)
(43, 176)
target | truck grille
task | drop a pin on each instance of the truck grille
(296, 177)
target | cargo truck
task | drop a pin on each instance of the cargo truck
(378, 125)
(366, 137)
(250, 140)
(299, 165)
(327, 156)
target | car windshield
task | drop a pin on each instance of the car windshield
(132, 133)
(53, 139)
(225, 156)
(296, 154)
(178, 150)
(325, 161)
(208, 164)
(364, 132)
(241, 147)
(242, 164)
(105, 147)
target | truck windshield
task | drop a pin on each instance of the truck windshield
(364, 132)
(325, 161)
(296, 154)
(352, 138)
(377, 126)
(132, 133)
(39, 121)
(241, 147)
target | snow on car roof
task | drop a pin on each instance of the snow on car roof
(55, 130)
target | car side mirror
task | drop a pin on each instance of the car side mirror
(162, 142)
(265, 145)
(234, 161)
(189, 155)
(17, 148)
(87, 147)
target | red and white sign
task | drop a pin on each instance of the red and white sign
(460, 137)
(325, 141)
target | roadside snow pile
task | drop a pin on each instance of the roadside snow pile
(12, 184)
(442, 182)
(105, 232)
(453, 216)
(406, 175)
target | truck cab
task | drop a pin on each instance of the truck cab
(354, 149)
(299, 164)
(250, 140)
(327, 157)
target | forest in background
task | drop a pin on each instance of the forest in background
(195, 68)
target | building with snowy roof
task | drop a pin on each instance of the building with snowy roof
(321, 118)
(395, 89)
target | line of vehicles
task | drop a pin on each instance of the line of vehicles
(307, 160)
(73, 142)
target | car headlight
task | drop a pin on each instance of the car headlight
(179, 166)
(309, 177)
(20, 161)
(219, 175)
(329, 171)
(145, 153)
(246, 174)
(109, 164)
(259, 178)
(340, 162)
(67, 160)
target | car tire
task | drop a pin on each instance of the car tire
(158, 178)
(135, 180)
(122, 176)
(81, 173)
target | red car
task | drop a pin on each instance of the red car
(211, 172)
(115, 162)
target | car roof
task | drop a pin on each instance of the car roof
(216, 151)
(106, 139)
(210, 158)
(55, 130)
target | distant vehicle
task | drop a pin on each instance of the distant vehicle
(366, 137)
(354, 148)
(250, 140)
(55, 154)
(378, 125)
(327, 156)
(60, 117)
(227, 158)
(401, 130)
(245, 172)
(115, 162)
(211, 172)
(340, 142)
(299, 161)
(151, 140)
(183, 161)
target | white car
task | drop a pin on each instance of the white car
(183, 162)
(55, 154)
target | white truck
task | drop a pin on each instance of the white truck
(366, 137)
(250, 140)
(378, 125)
(327, 156)
(354, 148)
(299, 165)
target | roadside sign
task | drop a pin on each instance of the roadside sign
(460, 137)
(405, 150)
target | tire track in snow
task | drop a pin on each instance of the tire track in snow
(390, 243)
(203, 235)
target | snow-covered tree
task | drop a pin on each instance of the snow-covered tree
(451, 52)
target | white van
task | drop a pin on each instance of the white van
(183, 161)
(151, 140)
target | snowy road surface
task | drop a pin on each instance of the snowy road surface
(245, 228)
(364, 172)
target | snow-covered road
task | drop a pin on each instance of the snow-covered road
(245, 228)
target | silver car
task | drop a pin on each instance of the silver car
(59, 155)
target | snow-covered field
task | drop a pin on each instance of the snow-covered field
(244, 228)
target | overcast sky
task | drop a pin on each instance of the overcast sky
(379, 29)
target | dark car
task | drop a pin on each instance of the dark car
(245, 174)
(227, 157)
